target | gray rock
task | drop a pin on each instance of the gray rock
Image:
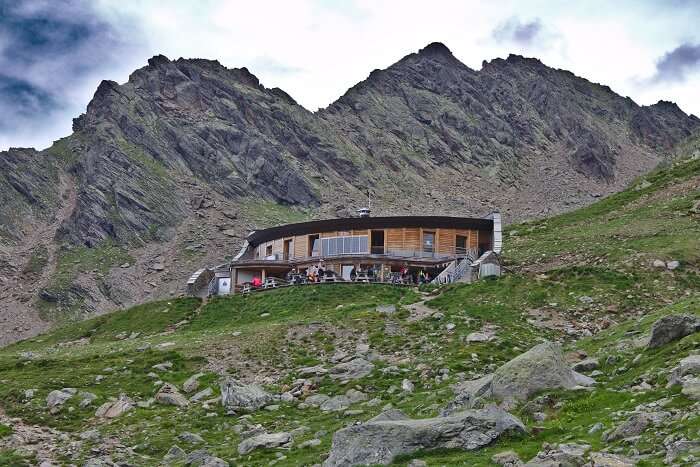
(165, 366)
(243, 397)
(317, 399)
(606, 459)
(354, 369)
(202, 458)
(390, 414)
(588, 364)
(671, 328)
(317, 370)
(192, 383)
(407, 386)
(380, 441)
(265, 440)
(29, 394)
(540, 368)
(596, 428)
(192, 438)
(417, 463)
(91, 435)
(468, 392)
(386, 309)
(679, 447)
(633, 426)
(355, 396)
(507, 459)
(57, 398)
(659, 264)
(336, 403)
(562, 455)
(175, 453)
(687, 366)
(478, 337)
(672, 265)
(168, 394)
(691, 389)
(203, 394)
(312, 443)
(86, 398)
(113, 409)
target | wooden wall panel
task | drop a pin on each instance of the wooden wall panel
(412, 239)
(473, 239)
(446, 241)
(300, 246)
(329, 234)
(393, 239)
(360, 232)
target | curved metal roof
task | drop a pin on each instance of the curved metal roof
(360, 223)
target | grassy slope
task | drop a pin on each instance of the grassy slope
(602, 252)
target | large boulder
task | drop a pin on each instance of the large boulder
(689, 366)
(468, 393)
(606, 459)
(169, 395)
(541, 368)
(57, 398)
(113, 409)
(354, 369)
(379, 441)
(671, 328)
(243, 397)
(635, 425)
(264, 440)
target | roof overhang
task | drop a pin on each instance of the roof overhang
(361, 223)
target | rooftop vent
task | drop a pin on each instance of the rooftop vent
(363, 212)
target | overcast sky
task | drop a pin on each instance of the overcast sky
(54, 53)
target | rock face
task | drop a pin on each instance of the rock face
(380, 441)
(244, 397)
(671, 328)
(540, 368)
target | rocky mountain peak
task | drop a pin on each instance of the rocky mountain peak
(158, 60)
(435, 49)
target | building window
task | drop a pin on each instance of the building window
(428, 242)
(461, 242)
(268, 250)
(352, 245)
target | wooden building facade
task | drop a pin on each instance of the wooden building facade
(380, 244)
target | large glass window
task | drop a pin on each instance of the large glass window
(350, 245)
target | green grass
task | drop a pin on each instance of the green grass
(642, 223)
(11, 458)
(267, 213)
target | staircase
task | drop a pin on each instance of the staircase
(458, 270)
